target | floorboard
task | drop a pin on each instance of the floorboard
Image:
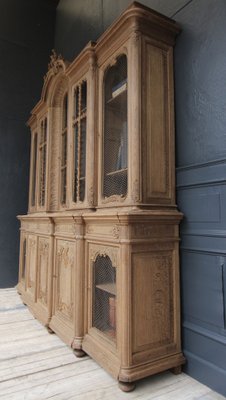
(35, 365)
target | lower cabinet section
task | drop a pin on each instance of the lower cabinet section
(35, 268)
(108, 285)
(132, 292)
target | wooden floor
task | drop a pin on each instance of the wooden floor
(35, 365)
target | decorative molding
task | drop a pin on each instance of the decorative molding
(104, 251)
(68, 228)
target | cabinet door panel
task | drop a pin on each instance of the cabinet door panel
(32, 264)
(65, 257)
(42, 273)
(153, 323)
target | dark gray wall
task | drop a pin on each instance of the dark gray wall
(26, 39)
(200, 60)
(200, 71)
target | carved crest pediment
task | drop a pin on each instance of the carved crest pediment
(56, 65)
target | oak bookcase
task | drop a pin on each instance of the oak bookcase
(99, 258)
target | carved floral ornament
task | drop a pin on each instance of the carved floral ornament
(65, 256)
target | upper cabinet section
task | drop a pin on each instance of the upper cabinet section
(136, 111)
(103, 131)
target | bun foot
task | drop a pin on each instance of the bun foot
(126, 386)
(50, 330)
(176, 370)
(79, 353)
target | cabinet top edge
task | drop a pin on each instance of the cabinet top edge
(136, 14)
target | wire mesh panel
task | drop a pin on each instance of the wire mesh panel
(104, 296)
(34, 166)
(115, 129)
(79, 123)
(42, 164)
(64, 151)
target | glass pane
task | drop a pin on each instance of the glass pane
(83, 148)
(33, 181)
(64, 149)
(64, 119)
(104, 296)
(42, 175)
(63, 185)
(115, 129)
(45, 130)
(83, 97)
(82, 159)
(76, 102)
(80, 104)
(75, 161)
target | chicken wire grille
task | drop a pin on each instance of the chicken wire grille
(42, 167)
(115, 129)
(64, 151)
(104, 296)
(80, 126)
(34, 167)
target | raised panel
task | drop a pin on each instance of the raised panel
(42, 275)
(32, 263)
(65, 259)
(152, 300)
(156, 122)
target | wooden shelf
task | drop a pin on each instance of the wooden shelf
(117, 172)
(107, 287)
(118, 99)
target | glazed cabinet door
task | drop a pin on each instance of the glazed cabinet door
(113, 119)
(102, 298)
